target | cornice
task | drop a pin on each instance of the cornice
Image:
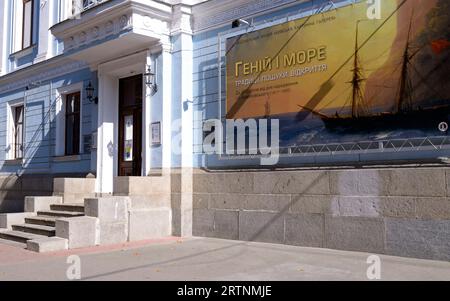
(216, 13)
(40, 72)
(104, 13)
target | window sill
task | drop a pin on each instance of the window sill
(23, 52)
(67, 158)
(13, 162)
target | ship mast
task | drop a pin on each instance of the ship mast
(266, 109)
(405, 95)
(357, 98)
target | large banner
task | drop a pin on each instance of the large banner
(340, 76)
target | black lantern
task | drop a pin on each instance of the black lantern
(150, 80)
(90, 93)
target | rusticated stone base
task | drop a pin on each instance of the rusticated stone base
(402, 212)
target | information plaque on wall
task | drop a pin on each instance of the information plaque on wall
(155, 130)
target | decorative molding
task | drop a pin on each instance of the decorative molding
(41, 74)
(113, 18)
(215, 13)
(100, 31)
(182, 21)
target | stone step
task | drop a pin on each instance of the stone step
(70, 207)
(35, 229)
(13, 243)
(41, 220)
(19, 236)
(59, 213)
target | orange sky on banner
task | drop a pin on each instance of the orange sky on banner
(336, 31)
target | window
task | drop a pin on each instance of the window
(18, 132)
(72, 124)
(27, 24)
(72, 8)
(15, 132)
(23, 24)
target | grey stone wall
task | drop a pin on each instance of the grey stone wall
(14, 189)
(403, 211)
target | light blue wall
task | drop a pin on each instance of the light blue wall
(40, 126)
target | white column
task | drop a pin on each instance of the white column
(45, 16)
(166, 124)
(3, 34)
(107, 133)
(53, 19)
(183, 51)
(146, 117)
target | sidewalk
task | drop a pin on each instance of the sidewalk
(211, 259)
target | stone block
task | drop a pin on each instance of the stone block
(292, 182)
(43, 183)
(360, 206)
(201, 200)
(139, 186)
(47, 244)
(113, 233)
(152, 223)
(41, 203)
(73, 198)
(74, 185)
(418, 182)
(150, 201)
(9, 219)
(229, 201)
(447, 177)
(176, 222)
(11, 183)
(108, 209)
(7, 205)
(359, 182)
(226, 224)
(433, 208)
(226, 182)
(253, 202)
(400, 207)
(306, 230)
(261, 226)
(82, 231)
(314, 204)
(203, 222)
(354, 234)
(428, 239)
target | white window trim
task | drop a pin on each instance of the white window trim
(60, 117)
(10, 106)
(17, 26)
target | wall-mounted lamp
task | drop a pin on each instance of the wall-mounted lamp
(90, 93)
(150, 80)
(238, 22)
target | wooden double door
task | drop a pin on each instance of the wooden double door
(130, 126)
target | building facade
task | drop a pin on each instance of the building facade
(118, 93)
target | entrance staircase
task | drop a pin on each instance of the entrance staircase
(40, 226)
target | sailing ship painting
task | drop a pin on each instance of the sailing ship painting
(405, 113)
(383, 79)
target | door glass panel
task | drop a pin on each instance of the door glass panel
(128, 138)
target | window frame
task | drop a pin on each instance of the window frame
(31, 24)
(15, 124)
(11, 106)
(76, 145)
(60, 110)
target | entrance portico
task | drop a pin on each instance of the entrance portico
(124, 39)
(121, 40)
(112, 139)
